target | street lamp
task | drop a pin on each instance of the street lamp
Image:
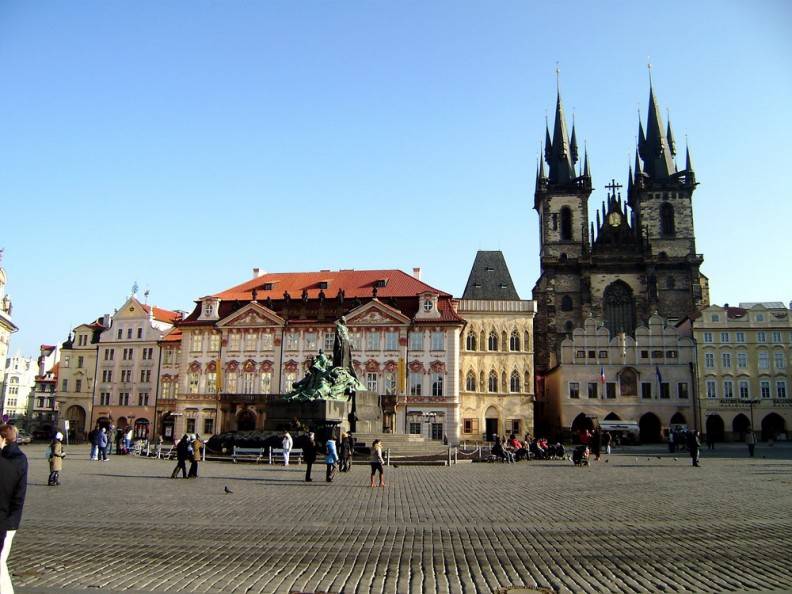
(751, 404)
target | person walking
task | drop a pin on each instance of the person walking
(596, 444)
(330, 459)
(128, 437)
(101, 443)
(286, 444)
(750, 439)
(197, 446)
(182, 453)
(345, 453)
(13, 487)
(309, 451)
(694, 446)
(607, 438)
(56, 456)
(377, 463)
(92, 437)
(710, 439)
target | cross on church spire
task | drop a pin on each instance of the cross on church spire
(613, 186)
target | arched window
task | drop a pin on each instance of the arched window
(514, 385)
(470, 383)
(566, 303)
(504, 341)
(514, 341)
(667, 219)
(493, 341)
(566, 224)
(619, 308)
(470, 342)
(493, 381)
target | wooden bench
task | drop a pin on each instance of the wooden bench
(255, 454)
(275, 453)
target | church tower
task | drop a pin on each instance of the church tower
(561, 200)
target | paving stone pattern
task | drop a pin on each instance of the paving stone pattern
(638, 523)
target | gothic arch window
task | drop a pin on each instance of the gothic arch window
(504, 340)
(470, 342)
(470, 383)
(514, 384)
(493, 341)
(514, 341)
(568, 326)
(667, 219)
(619, 306)
(566, 224)
(493, 381)
(566, 303)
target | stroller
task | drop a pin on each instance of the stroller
(580, 456)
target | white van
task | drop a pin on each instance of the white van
(623, 432)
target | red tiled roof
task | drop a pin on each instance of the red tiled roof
(355, 283)
(174, 335)
(735, 312)
(162, 315)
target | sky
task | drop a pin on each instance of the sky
(179, 144)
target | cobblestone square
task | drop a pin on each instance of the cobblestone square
(641, 522)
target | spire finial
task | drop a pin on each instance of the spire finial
(649, 67)
(558, 78)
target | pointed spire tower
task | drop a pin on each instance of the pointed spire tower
(654, 147)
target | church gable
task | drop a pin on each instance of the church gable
(376, 313)
(252, 315)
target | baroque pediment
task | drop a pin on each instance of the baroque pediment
(376, 313)
(252, 315)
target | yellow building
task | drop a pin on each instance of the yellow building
(743, 370)
(496, 358)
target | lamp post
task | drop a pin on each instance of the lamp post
(751, 404)
(429, 418)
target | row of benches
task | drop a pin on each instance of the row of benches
(270, 454)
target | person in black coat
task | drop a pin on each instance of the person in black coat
(693, 446)
(13, 487)
(182, 454)
(309, 451)
(596, 444)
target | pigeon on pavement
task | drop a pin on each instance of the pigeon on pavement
(227, 490)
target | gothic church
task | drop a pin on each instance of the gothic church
(639, 258)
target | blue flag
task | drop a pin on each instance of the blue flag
(659, 377)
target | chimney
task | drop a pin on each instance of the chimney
(257, 272)
(417, 272)
(107, 321)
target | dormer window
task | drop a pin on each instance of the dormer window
(381, 283)
(427, 305)
(323, 284)
(268, 286)
(208, 310)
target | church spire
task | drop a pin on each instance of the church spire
(654, 147)
(586, 170)
(573, 143)
(558, 151)
(670, 137)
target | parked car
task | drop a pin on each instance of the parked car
(23, 436)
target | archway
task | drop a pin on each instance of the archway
(76, 417)
(491, 423)
(678, 419)
(649, 426)
(122, 423)
(715, 427)
(167, 427)
(612, 416)
(741, 425)
(772, 425)
(246, 421)
(581, 423)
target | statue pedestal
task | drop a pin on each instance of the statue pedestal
(319, 415)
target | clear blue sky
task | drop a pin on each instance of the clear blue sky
(180, 143)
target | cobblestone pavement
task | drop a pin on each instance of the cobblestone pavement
(636, 523)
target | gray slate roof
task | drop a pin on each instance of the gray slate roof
(490, 279)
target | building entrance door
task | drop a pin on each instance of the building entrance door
(491, 428)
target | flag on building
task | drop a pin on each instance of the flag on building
(659, 377)
(602, 375)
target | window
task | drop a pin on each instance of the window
(740, 337)
(416, 341)
(646, 390)
(392, 341)
(104, 399)
(724, 337)
(65, 385)
(123, 399)
(566, 303)
(667, 219)
(776, 336)
(143, 399)
(291, 341)
(390, 383)
(781, 391)
(415, 425)
(119, 334)
(250, 341)
(329, 339)
(761, 336)
(211, 382)
(764, 360)
(66, 361)
(665, 390)
(744, 392)
(190, 425)
(514, 341)
(107, 375)
(437, 384)
(82, 340)
(709, 360)
(715, 318)
(580, 354)
(493, 382)
(492, 341)
(195, 344)
(592, 390)
(129, 333)
(145, 376)
(566, 224)
(764, 388)
(470, 426)
(291, 377)
(371, 382)
(234, 340)
(208, 427)
(657, 354)
(672, 354)
(682, 390)
(603, 354)
(470, 382)
(610, 390)
(760, 317)
(712, 391)
(109, 354)
(310, 341)
(726, 360)
(249, 383)
(266, 341)
(742, 359)
(644, 354)
(514, 382)
(416, 383)
(126, 376)
(140, 333)
(728, 389)
(780, 360)
(78, 385)
(214, 342)
(574, 390)
(167, 357)
(373, 341)
(708, 337)
(438, 341)
(193, 382)
(148, 353)
(514, 426)
(266, 382)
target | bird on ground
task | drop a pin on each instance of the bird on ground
(227, 490)
(606, 461)
(675, 459)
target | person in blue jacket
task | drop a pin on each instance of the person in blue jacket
(101, 442)
(330, 459)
